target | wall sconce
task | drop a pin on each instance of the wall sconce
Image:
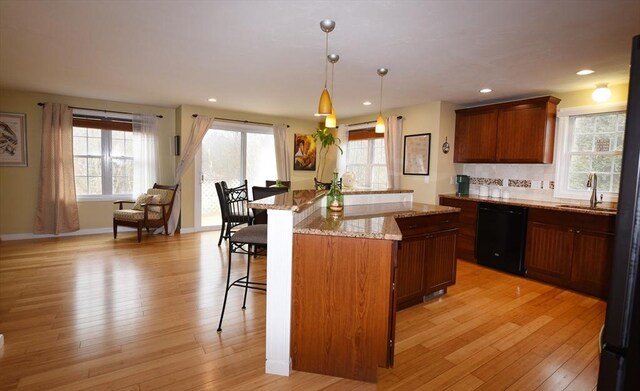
(602, 93)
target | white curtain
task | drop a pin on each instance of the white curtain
(393, 151)
(341, 160)
(199, 129)
(283, 154)
(145, 146)
(57, 208)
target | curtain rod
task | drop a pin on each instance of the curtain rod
(107, 111)
(368, 122)
(237, 120)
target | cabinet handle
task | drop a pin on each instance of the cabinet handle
(412, 226)
(445, 221)
(578, 231)
(570, 229)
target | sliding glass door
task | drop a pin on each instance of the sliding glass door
(231, 153)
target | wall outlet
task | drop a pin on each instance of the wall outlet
(452, 180)
(536, 185)
(426, 179)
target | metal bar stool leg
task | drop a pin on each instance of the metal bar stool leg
(226, 292)
(221, 233)
(246, 281)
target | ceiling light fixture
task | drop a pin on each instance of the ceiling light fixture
(380, 128)
(212, 100)
(602, 93)
(584, 72)
(330, 121)
(366, 103)
(486, 90)
(325, 106)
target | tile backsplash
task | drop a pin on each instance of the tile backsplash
(527, 181)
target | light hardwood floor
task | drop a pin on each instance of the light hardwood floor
(96, 313)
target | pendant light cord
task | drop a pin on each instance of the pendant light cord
(381, 78)
(326, 65)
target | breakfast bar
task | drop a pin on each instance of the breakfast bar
(331, 280)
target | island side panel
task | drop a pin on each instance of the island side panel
(341, 312)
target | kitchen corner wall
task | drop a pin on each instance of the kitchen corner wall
(533, 181)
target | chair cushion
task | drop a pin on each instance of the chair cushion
(142, 199)
(135, 215)
(163, 197)
(253, 234)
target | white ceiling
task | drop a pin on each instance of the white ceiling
(267, 56)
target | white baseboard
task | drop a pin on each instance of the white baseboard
(82, 232)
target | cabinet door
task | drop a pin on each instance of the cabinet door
(410, 271)
(466, 239)
(549, 252)
(440, 266)
(476, 136)
(591, 264)
(522, 134)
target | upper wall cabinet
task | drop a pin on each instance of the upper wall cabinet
(512, 132)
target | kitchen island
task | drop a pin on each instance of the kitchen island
(330, 277)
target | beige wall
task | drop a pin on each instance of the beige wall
(184, 121)
(437, 118)
(19, 185)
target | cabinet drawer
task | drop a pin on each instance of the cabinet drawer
(577, 220)
(417, 225)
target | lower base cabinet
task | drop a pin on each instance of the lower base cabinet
(426, 256)
(571, 250)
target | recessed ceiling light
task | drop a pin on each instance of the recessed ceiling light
(367, 103)
(584, 72)
(212, 100)
(486, 90)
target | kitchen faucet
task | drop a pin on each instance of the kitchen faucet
(592, 182)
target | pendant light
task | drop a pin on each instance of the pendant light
(330, 121)
(380, 128)
(324, 107)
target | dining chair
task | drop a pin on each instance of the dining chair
(325, 185)
(286, 184)
(230, 220)
(251, 236)
(259, 192)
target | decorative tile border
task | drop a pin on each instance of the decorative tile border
(522, 183)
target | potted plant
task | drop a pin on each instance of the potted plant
(326, 139)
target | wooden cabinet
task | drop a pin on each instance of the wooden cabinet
(343, 308)
(512, 132)
(570, 249)
(466, 240)
(426, 256)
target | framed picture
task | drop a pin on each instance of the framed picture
(304, 157)
(13, 139)
(417, 151)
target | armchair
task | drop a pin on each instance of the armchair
(150, 210)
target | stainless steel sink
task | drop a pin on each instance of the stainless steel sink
(597, 208)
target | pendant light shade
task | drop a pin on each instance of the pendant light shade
(330, 121)
(324, 106)
(380, 128)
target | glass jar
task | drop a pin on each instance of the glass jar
(335, 199)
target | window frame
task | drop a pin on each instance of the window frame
(563, 154)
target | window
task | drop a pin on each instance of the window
(103, 162)
(366, 158)
(590, 142)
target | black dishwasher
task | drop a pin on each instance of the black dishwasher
(501, 236)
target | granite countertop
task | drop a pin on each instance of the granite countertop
(373, 221)
(607, 208)
(299, 200)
